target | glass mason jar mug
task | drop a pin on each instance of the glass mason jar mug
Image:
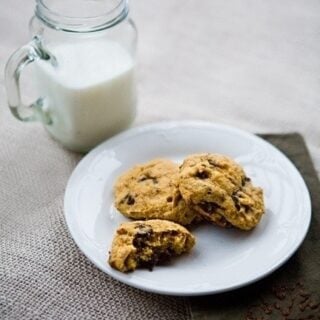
(84, 61)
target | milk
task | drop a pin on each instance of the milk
(89, 93)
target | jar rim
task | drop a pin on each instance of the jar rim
(79, 23)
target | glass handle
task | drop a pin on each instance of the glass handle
(16, 63)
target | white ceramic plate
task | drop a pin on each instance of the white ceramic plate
(222, 259)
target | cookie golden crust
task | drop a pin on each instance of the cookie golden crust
(148, 243)
(217, 188)
(150, 191)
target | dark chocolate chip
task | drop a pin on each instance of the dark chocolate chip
(159, 256)
(148, 177)
(146, 264)
(236, 202)
(209, 207)
(171, 233)
(245, 180)
(130, 200)
(177, 199)
(169, 199)
(139, 242)
(235, 197)
(202, 175)
(214, 163)
(164, 256)
(141, 237)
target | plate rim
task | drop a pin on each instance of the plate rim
(180, 124)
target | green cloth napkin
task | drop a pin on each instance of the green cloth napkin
(293, 291)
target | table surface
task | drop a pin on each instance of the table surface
(250, 64)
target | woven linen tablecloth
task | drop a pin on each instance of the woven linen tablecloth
(251, 64)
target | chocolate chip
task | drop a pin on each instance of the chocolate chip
(130, 200)
(245, 180)
(148, 177)
(177, 199)
(169, 199)
(141, 238)
(159, 256)
(202, 175)
(171, 233)
(146, 264)
(139, 242)
(209, 207)
(236, 202)
(214, 163)
(163, 256)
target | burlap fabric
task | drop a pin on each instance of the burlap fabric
(42, 273)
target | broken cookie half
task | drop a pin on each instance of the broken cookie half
(144, 244)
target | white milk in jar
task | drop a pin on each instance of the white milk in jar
(90, 93)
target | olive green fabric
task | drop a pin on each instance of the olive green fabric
(293, 291)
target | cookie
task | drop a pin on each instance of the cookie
(144, 244)
(217, 188)
(150, 191)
